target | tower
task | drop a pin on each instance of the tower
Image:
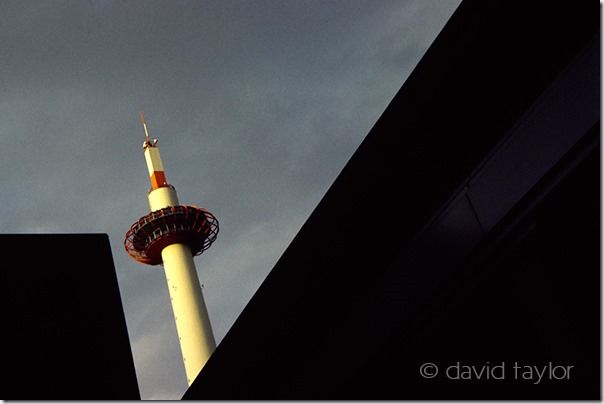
(171, 235)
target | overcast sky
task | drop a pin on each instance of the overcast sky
(257, 105)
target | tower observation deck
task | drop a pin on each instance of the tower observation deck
(170, 235)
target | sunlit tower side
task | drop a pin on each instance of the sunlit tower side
(171, 235)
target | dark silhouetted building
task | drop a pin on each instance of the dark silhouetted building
(464, 231)
(64, 326)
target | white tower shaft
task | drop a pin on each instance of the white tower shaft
(190, 313)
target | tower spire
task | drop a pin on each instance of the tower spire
(154, 163)
(145, 126)
(148, 141)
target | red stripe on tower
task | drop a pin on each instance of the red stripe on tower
(158, 179)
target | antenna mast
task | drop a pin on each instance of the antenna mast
(145, 126)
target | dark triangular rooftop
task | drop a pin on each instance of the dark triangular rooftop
(432, 245)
